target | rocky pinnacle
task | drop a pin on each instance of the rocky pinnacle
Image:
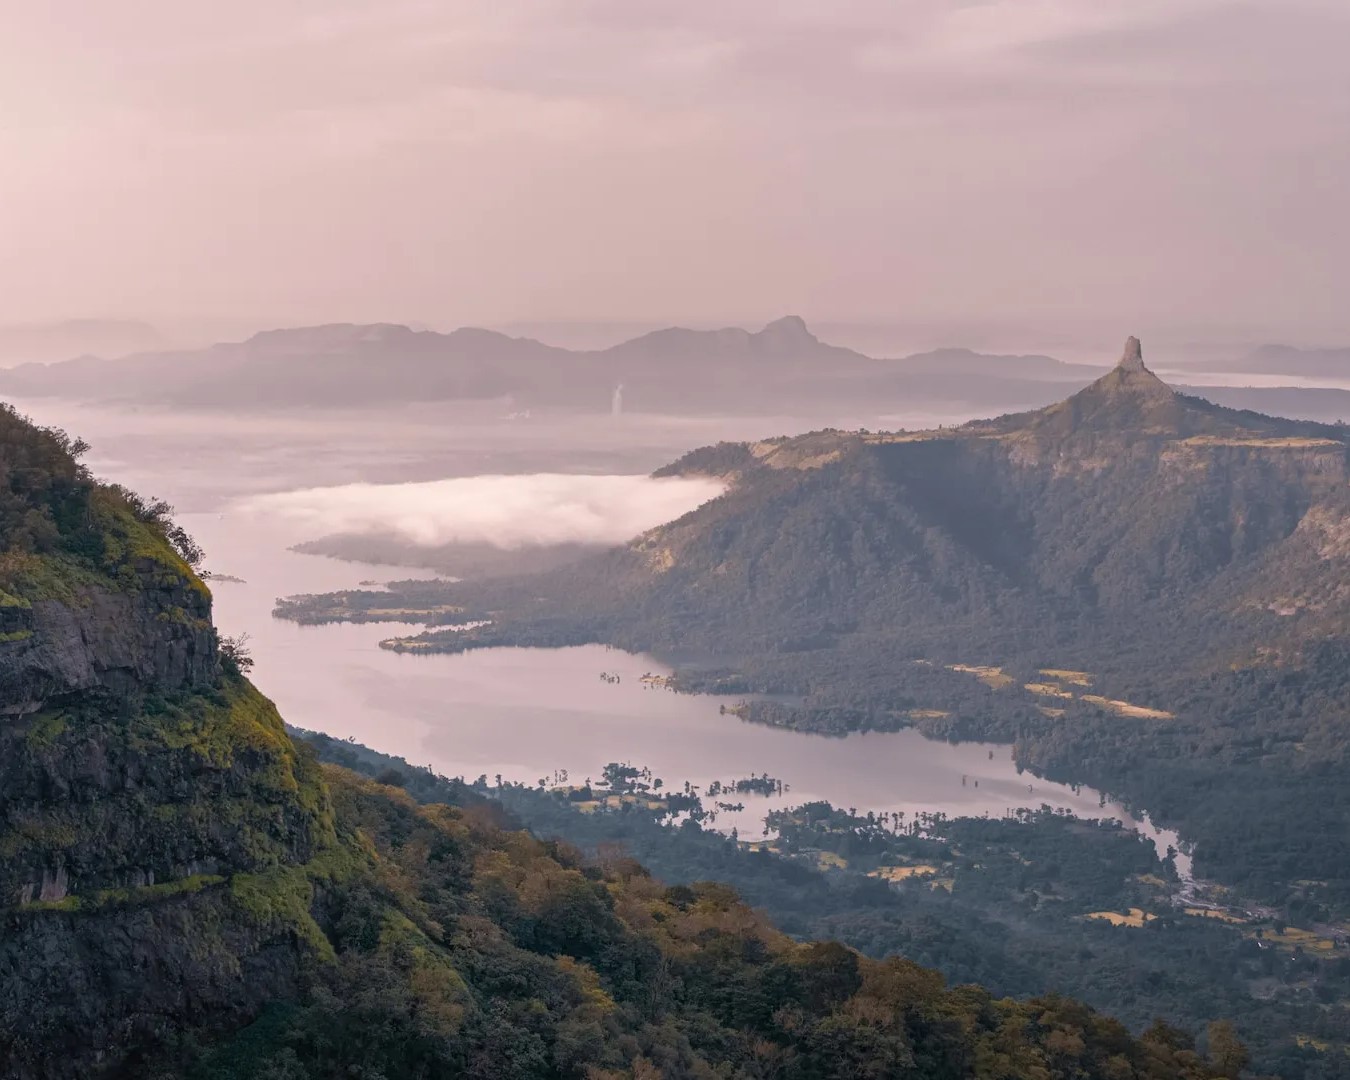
(1133, 360)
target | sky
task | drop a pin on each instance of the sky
(1124, 162)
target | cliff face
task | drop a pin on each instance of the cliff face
(154, 634)
(147, 792)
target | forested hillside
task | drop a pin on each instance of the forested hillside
(1019, 905)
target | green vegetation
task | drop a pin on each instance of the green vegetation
(473, 951)
(45, 728)
(280, 899)
(141, 894)
(63, 531)
(1012, 920)
(188, 780)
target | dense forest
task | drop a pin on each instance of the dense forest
(1021, 906)
(467, 950)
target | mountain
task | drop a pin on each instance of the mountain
(1030, 509)
(332, 365)
(784, 341)
(48, 342)
(1142, 590)
(781, 367)
(967, 362)
(155, 821)
(185, 891)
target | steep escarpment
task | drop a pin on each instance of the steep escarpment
(131, 618)
(142, 780)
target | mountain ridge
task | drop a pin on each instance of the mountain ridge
(783, 368)
(46, 342)
(1180, 553)
(1326, 362)
(780, 364)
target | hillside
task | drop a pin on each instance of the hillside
(187, 892)
(1122, 497)
(1139, 588)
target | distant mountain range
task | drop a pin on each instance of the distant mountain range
(779, 367)
(782, 369)
(1288, 361)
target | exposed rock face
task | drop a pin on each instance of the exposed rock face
(154, 636)
(152, 873)
(98, 799)
(1133, 358)
(77, 991)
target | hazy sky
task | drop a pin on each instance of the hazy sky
(305, 160)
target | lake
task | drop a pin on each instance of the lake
(526, 713)
(523, 713)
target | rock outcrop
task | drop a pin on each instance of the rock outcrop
(154, 634)
(1133, 357)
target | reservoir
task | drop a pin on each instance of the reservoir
(523, 713)
(527, 713)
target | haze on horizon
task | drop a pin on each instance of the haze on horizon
(1110, 164)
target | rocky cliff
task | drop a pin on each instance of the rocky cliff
(148, 794)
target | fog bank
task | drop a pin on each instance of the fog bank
(504, 511)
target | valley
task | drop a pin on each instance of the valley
(923, 782)
(227, 904)
(612, 541)
(526, 713)
(849, 582)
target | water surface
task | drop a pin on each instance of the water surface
(527, 713)
(521, 713)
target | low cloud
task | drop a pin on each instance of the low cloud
(508, 512)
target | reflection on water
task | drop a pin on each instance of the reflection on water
(525, 713)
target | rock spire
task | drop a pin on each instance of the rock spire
(1133, 358)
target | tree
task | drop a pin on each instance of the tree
(1226, 1052)
(234, 654)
